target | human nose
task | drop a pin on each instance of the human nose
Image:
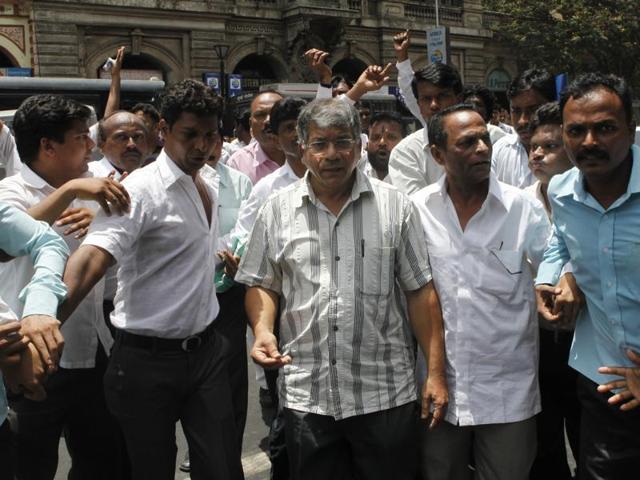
(589, 138)
(482, 146)
(537, 153)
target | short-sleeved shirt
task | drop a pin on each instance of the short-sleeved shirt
(341, 280)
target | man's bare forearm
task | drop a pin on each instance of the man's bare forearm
(262, 306)
(50, 208)
(428, 328)
(84, 269)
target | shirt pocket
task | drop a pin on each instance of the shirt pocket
(378, 267)
(501, 271)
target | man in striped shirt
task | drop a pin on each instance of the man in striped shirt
(337, 254)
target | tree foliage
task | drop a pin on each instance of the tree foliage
(572, 35)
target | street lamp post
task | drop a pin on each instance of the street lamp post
(221, 53)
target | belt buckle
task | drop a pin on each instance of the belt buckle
(191, 343)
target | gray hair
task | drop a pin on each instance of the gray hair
(328, 113)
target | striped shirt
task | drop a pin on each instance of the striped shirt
(343, 319)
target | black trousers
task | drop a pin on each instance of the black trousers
(75, 404)
(376, 446)
(148, 390)
(231, 323)
(609, 437)
(6, 452)
(560, 408)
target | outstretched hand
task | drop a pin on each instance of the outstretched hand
(265, 352)
(629, 384)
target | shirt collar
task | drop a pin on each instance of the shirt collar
(260, 157)
(34, 180)
(494, 190)
(574, 185)
(170, 173)
(305, 191)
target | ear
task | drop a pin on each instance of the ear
(163, 126)
(47, 147)
(436, 153)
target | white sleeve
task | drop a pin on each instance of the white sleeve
(324, 92)
(405, 77)
(9, 158)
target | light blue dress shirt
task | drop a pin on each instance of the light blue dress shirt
(603, 246)
(233, 188)
(22, 235)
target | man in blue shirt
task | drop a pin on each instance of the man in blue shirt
(596, 215)
(20, 361)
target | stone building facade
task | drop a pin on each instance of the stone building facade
(174, 39)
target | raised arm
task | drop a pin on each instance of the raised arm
(316, 61)
(84, 269)
(373, 78)
(401, 43)
(113, 101)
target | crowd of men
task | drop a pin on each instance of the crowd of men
(440, 305)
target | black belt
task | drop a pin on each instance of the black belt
(188, 344)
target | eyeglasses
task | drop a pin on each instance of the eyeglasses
(322, 146)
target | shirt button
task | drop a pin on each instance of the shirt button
(609, 284)
(333, 362)
(337, 258)
(335, 328)
(605, 249)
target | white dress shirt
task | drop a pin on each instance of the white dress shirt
(411, 165)
(9, 158)
(510, 162)
(86, 325)
(486, 291)
(165, 251)
(282, 177)
(102, 168)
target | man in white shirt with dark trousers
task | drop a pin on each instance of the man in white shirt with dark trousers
(167, 363)
(481, 236)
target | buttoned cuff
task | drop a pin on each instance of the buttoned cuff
(41, 301)
(548, 273)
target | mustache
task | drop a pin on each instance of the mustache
(596, 153)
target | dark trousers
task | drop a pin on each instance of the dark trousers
(560, 408)
(75, 404)
(376, 446)
(277, 442)
(231, 323)
(148, 390)
(6, 452)
(609, 437)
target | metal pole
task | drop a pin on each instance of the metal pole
(223, 83)
(437, 14)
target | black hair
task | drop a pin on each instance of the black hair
(484, 94)
(243, 118)
(439, 74)
(286, 109)
(337, 79)
(45, 116)
(588, 82)
(189, 96)
(389, 117)
(537, 79)
(147, 109)
(547, 114)
(437, 133)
